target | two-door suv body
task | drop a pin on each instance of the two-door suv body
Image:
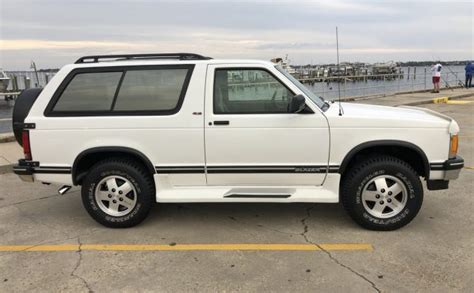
(137, 129)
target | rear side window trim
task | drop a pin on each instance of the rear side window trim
(49, 112)
(117, 90)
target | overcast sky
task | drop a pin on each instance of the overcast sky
(56, 32)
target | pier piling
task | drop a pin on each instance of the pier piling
(14, 79)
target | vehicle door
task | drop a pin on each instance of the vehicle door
(252, 139)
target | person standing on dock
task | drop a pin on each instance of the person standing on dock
(469, 72)
(436, 73)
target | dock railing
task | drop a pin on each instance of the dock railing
(355, 86)
(20, 80)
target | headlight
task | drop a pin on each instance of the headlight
(453, 146)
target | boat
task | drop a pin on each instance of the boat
(384, 68)
(284, 63)
(337, 71)
(4, 81)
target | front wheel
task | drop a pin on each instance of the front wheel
(118, 193)
(382, 193)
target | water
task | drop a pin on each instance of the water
(407, 83)
(5, 115)
(422, 80)
(6, 108)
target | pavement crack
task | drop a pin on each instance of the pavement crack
(32, 219)
(329, 254)
(78, 263)
(260, 226)
(52, 241)
(36, 199)
(305, 226)
(29, 200)
(276, 230)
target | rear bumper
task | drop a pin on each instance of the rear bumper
(451, 168)
(31, 170)
(25, 170)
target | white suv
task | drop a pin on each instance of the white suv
(137, 129)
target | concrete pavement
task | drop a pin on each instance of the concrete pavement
(10, 152)
(433, 253)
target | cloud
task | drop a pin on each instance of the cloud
(8, 45)
(55, 32)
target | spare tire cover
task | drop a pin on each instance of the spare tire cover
(22, 107)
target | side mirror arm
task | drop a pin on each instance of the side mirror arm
(297, 104)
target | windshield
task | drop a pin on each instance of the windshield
(317, 100)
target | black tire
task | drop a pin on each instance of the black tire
(22, 107)
(360, 177)
(136, 174)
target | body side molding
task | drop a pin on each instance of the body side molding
(246, 169)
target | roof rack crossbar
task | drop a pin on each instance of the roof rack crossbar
(179, 56)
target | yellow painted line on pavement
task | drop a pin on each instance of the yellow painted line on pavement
(189, 247)
(446, 100)
(468, 167)
(440, 100)
(458, 102)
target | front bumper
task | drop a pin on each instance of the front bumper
(25, 170)
(451, 168)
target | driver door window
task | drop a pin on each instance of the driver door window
(249, 91)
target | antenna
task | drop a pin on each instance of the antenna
(338, 71)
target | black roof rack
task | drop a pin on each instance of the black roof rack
(179, 56)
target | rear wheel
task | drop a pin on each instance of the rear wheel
(382, 193)
(118, 193)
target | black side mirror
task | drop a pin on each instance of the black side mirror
(297, 104)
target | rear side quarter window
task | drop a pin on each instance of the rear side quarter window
(89, 92)
(150, 90)
(131, 90)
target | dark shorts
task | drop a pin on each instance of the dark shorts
(436, 79)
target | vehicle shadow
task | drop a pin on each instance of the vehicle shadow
(279, 214)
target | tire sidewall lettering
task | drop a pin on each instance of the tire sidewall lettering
(364, 182)
(93, 202)
(404, 213)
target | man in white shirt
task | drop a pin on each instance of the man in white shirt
(436, 73)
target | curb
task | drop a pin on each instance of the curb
(377, 96)
(438, 100)
(7, 137)
(428, 90)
